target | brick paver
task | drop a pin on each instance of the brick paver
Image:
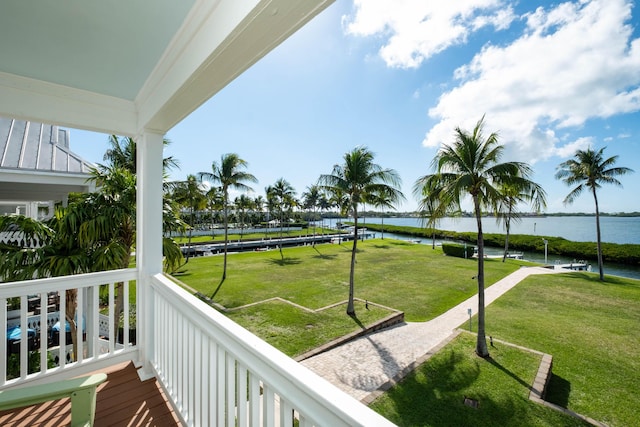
(361, 366)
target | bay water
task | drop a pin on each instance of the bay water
(575, 228)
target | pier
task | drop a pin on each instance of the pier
(270, 243)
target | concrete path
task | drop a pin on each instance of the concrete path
(361, 366)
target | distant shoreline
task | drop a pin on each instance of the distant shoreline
(374, 214)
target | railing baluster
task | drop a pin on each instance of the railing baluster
(268, 406)
(220, 385)
(254, 400)
(286, 413)
(125, 330)
(241, 395)
(24, 337)
(112, 317)
(189, 350)
(79, 326)
(62, 334)
(231, 390)
(213, 383)
(43, 332)
(3, 344)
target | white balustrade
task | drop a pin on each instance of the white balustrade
(95, 345)
(218, 373)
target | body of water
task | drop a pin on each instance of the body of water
(574, 228)
(577, 228)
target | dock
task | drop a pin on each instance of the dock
(266, 244)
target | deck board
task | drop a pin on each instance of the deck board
(122, 400)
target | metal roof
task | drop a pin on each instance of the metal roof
(37, 146)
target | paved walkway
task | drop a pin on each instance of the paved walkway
(361, 366)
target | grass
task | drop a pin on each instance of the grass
(433, 395)
(391, 273)
(590, 328)
(272, 322)
(412, 278)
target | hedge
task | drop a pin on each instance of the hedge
(611, 252)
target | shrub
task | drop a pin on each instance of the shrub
(460, 251)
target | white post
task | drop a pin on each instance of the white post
(148, 237)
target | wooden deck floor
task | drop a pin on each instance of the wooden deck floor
(123, 400)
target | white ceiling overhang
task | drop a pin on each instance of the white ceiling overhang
(127, 66)
(26, 186)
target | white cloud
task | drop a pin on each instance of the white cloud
(418, 29)
(574, 62)
(569, 149)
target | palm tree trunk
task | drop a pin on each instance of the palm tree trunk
(226, 236)
(382, 228)
(507, 225)
(481, 344)
(71, 300)
(598, 237)
(351, 311)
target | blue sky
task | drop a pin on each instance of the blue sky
(399, 76)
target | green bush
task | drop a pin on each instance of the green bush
(611, 252)
(460, 251)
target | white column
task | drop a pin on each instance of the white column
(148, 236)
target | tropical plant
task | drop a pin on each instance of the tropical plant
(230, 174)
(357, 181)
(243, 203)
(511, 196)
(470, 165)
(588, 170)
(427, 192)
(94, 232)
(282, 197)
(311, 202)
(189, 193)
(382, 201)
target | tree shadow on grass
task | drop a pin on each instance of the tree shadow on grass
(284, 261)
(508, 372)
(382, 246)
(558, 391)
(323, 256)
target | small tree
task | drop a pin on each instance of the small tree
(359, 179)
(230, 174)
(471, 166)
(588, 170)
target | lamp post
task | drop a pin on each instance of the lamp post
(546, 242)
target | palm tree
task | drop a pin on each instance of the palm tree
(282, 196)
(512, 196)
(311, 201)
(122, 153)
(229, 174)
(214, 203)
(427, 191)
(360, 179)
(382, 201)
(242, 203)
(190, 194)
(588, 169)
(470, 166)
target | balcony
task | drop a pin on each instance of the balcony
(211, 371)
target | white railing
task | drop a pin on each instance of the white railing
(218, 373)
(95, 346)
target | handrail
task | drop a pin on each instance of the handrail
(96, 345)
(206, 361)
(82, 392)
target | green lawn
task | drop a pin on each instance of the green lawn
(412, 278)
(591, 329)
(433, 395)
